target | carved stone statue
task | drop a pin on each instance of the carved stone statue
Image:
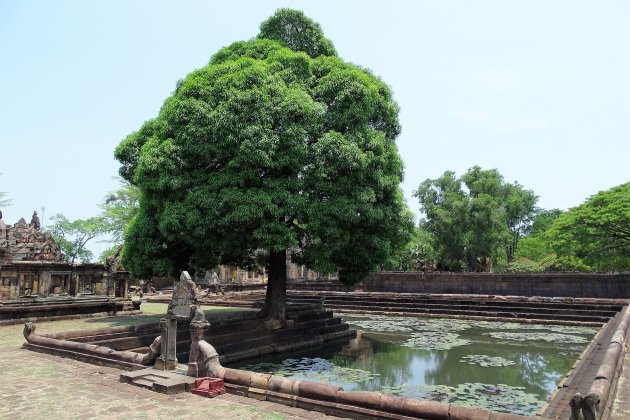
(185, 294)
(35, 221)
(214, 279)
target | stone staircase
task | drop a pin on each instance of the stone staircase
(237, 338)
(550, 310)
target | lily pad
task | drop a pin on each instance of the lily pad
(315, 369)
(433, 340)
(496, 397)
(485, 360)
(538, 336)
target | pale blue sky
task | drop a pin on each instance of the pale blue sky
(539, 90)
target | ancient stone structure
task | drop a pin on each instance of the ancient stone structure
(183, 306)
(227, 274)
(185, 294)
(576, 285)
(196, 360)
(32, 266)
(26, 242)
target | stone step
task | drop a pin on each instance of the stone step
(481, 300)
(336, 304)
(166, 382)
(487, 303)
(476, 312)
(144, 383)
(436, 308)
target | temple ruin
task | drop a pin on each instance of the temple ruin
(32, 270)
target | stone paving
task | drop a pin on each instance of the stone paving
(621, 402)
(36, 386)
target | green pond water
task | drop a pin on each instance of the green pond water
(506, 367)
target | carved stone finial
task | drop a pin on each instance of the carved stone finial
(185, 294)
(35, 221)
(163, 325)
(576, 407)
(29, 328)
(197, 316)
(590, 407)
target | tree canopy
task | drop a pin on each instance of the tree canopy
(72, 236)
(118, 209)
(474, 218)
(296, 31)
(265, 151)
(597, 231)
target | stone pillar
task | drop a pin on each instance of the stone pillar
(74, 284)
(20, 284)
(44, 283)
(125, 283)
(171, 337)
(196, 367)
(168, 353)
(15, 288)
(110, 280)
(35, 283)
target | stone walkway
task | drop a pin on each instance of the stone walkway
(37, 386)
(621, 401)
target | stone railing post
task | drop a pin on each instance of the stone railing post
(168, 353)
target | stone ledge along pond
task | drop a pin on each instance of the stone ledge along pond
(502, 366)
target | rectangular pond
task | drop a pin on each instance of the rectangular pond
(501, 366)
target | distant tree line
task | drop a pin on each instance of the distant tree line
(479, 222)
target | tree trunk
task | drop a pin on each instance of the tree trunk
(276, 299)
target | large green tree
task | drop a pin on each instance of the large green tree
(535, 245)
(72, 236)
(416, 255)
(118, 209)
(597, 231)
(276, 148)
(475, 217)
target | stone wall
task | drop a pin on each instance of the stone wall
(30, 279)
(593, 285)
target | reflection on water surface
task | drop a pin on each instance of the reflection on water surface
(506, 367)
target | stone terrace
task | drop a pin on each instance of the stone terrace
(35, 385)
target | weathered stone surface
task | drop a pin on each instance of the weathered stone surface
(425, 409)
(367, 399)
(25, 242)
(185, 294)
(238, 377)
(456, 412)
(318, 391)
(560, 286)
(35, 223)
(160, 381)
